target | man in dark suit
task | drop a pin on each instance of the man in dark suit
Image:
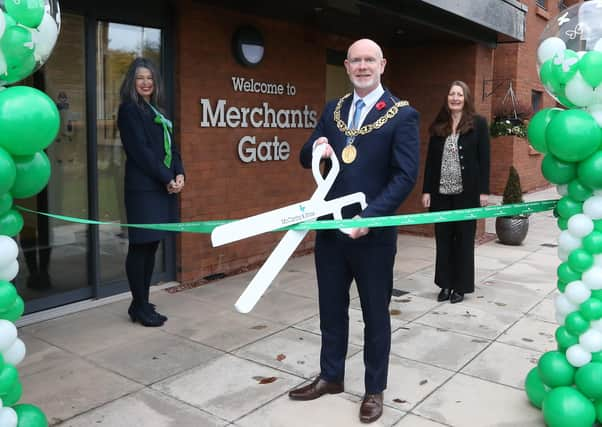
(376, 137)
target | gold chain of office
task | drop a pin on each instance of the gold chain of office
(391, 112)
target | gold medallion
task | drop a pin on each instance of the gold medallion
(349, 154)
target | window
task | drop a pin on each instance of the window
(536, 98)
(542, 3)
(561, 5)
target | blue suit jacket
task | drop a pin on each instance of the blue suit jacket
(386, 166)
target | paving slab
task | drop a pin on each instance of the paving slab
(327, 411)
(411, 420)
(228, 387)
(532, 334)
(435, 346)
(503, 364)
(146, 408)
(466, 401)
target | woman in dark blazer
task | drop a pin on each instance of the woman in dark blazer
(153, 176)
(456, 176)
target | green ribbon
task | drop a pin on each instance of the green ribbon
(383, 221)
(160, 119)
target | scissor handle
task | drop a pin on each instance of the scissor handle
(337, 214)
(323, 184)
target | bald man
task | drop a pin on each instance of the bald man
(375, 136)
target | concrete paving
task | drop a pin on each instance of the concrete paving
(451, 365)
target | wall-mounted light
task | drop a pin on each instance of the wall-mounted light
(247, 46)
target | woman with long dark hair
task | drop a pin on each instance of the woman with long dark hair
(154, 175)
(456, 176)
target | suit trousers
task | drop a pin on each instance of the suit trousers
(369, 260)
(454, 266)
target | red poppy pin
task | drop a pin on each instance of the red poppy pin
(380, 105)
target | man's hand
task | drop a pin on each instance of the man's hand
(484, 199)
(426, 200)
(356, 233)
(327, 150)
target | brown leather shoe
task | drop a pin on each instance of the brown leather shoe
(316, 389)
(372, 408)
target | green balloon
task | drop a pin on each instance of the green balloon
(15, 312)
(13, 395)
(564, 66)
(580, 260)
(588, 380)
(535, 388)
(29, 120)
(567, 274)
(11, 223)
(561, 285)
(8, 377)
(593, 242)
(536, 132)
(563, 223)
(28, 13)
(591, 309)
(555, 370)
(557, 171)
(18, 70)
(563, 99)
(597, 357)
(30, 416)
(578, 191)
(546, 75)
(8, 294)
(8, 172)
(576, 324)
(16, 43)
(564, 338)
(566, 207)
(33, 173)
(590, 170)
(566, 407)
(6, 202)
(573, 135)
(597, 293)
(590, 67)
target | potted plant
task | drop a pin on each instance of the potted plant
(512, 230)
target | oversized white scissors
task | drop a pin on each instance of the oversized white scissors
(308, 210)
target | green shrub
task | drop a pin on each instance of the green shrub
(513, 192)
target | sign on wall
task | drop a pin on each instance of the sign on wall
(261, 115)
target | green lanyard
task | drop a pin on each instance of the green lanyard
(160, 119)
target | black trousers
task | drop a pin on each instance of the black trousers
(139, 266)
(454, 266)
(369, 260)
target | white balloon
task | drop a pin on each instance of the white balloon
(567, 242)
(579, 92)
(8, 417)
(2, 24)
(591, 340)
(592, 277)
(576, 292)
(578, 356)
(596, 324)
(9, 272)
(8, 334)
(8, 251)
(592, 207)
(16, 352)
(560, 318)
(562, 254)
(598, 46)
(595, 110)
(563, 305)
(562, 189)
(44, 38)
(550, 47)
(598, 260)
(580, 225)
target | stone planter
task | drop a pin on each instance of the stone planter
(512, 230)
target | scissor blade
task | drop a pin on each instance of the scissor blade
(269, 270)
(264, 222)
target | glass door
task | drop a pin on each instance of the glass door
(117, 45)
(53, 267)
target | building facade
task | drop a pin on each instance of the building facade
(240, 124)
